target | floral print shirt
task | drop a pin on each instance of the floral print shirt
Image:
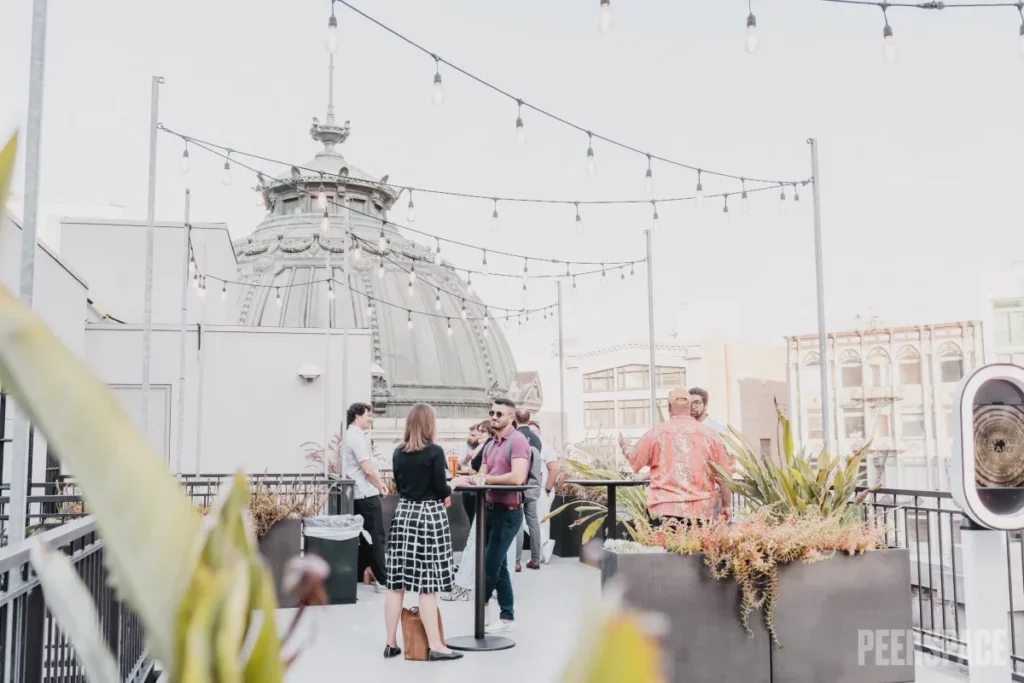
(678, 453)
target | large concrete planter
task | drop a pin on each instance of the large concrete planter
(821, 611)
(280, 544)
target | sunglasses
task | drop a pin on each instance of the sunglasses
(496, 413)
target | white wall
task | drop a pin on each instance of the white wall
(257, 412)
(111, 256)
(59, 298)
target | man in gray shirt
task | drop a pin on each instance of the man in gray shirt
(357, 464)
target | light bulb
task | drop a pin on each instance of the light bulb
(649, 181)
(438, 91)
(699, 195)
(330, 290)
(725, 209)
(796, 200)
(622, 274)
(464, 313)
(605, 17)
(325, 222)
(437, 301)
(751, 42)
(604, 277)
(520, 132)
(469, 283)
(369, 309)
(632, 272)
(744, 199)
(449, 327)
(486, 268)
(495, 224)
(382, 243)
(357, 251)
(321, 198)
(410, 320)
(579, 221)
(1021, 49)
(486, 330)
(412, 275)
(201, 290)
(260, 201)
(224, 292)
(411, 215)
(437, 255)
(191, 266)
(332, 34)
(185, 165)
(655, 220)
(591, 162)
(782, 201)
(889, 50)
(278, 298)
(225, 177)
(409, 290)
(380, 271)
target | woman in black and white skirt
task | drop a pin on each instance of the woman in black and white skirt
(419, 557)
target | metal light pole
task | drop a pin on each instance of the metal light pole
(201, 363)
(186, 254)
(650, 320)
(826, 423)
(561, 368)
(147, 306)
(327, 368)
(19, 467)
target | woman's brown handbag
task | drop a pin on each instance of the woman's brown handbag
(415, 636)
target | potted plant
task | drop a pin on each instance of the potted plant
(277, 516)
(783, 593)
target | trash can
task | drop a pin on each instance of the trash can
(335, 538)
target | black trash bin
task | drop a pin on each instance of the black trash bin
(336, 540)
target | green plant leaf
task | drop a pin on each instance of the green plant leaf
(70, 603)
(114, 466)
(593, 528)
(7, 157)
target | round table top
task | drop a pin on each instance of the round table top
(495, 487)
(608, 482)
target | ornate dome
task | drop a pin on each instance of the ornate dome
(285, 263)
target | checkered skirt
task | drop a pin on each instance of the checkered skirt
(419, 556)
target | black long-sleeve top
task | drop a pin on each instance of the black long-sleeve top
(421, 475)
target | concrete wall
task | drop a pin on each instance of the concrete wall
(111, 255)
(60, 299)
(256, 411)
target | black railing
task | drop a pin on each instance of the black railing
(33, 649)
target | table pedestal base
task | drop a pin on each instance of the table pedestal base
(485, 644)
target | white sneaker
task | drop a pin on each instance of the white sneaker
(500, 627)
(458, 594)
(547, 550)
(379, 587)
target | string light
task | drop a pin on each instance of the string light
(796, 199)
(654, 221)
(411, 215)
(889, 50)
(486, 269)
(330, 290)
(382, 243)
(574, 282)
(325, 222)
(332, 32)
(591, 162)
(752, 40)
(321, 197)
(410, 320)
(526, 271)
(698, 196)
(260, 200)
(1020, 48)
(604, 278)
(437, 254)
(495, 224)
(278, 297)
(449, 327)
(437, 301)
(622, 274)
(438, 91)
(409, 290)
(357, 251)
(412, 274)
(486, 329)
(520, 129)
(604, 19)
(380, 271)
(186, 165)
(725, 208)
(469, 282)
(579, 220)
(201, 290)
(192, 266)
(744, 199)
(225, 177)
(649, 177)
(224, 292)
(782, 200)
(632, 272)
(369, 309)
(464, 312)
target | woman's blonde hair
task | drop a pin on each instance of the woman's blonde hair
(420, 428)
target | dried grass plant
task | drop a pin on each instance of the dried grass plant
(268, 506)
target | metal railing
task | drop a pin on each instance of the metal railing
(32, 647)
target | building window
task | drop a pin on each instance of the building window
(810, 374)
(912, 425)
(851, 371)
(633, 377)
(853, 424)
(766, 448)
(634, 413)
(951, 363)
(670, 378)
(1009, 322)
(814, 424)
(879, 369)
(882, 427)
(910, 366)
(599, 414)
(598, 381)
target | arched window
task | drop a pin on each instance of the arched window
(951, 363)
(810, 374)
(909, 360)
(879, 368)
(850, 369)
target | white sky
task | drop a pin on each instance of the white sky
(920, 160)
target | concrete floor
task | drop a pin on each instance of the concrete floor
(345, 642)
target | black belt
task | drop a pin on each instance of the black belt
(503, 506)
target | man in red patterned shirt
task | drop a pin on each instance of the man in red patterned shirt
(682, 485)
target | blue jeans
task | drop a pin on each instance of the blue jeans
(502, 528)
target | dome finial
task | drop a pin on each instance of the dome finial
(329, 133)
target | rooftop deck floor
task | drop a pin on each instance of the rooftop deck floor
(345, 642)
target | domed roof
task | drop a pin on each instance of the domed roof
(285, 260)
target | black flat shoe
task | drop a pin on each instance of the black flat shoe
(443, 656)
(390, 652)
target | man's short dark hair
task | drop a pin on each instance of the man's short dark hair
(523, 418)
(356, 410)
(504, 402)
(700, 392)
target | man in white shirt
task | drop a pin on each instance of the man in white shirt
(699, 412)
(357, 464)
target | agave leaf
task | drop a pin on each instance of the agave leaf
(7, 156)
(593, 528)
(614, 647)
(787, 433)
(233, 620)
(72, 606)
(114, 466)
(264, 665)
